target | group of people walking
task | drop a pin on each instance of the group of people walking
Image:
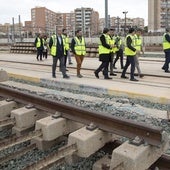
(111, 48)
(111, 45)
(59, 47)
(41, 44)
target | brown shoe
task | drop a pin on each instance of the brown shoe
(79, 76)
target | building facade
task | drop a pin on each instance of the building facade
(45, 21)
(87, 20)
(158, 15)
(119, 24)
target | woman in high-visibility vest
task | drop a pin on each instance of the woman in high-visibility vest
(45, 44)
(130, 52)
(38, 43)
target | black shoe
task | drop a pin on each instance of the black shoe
(70, 63)
(167, 71)
(67, 70)
(141, 76)
(124, 77)
(134, 80)
(66, 76)
(108, 78)
(163, 68)
(53, 76)
(96, 74)
(113, 74)
(135, 74)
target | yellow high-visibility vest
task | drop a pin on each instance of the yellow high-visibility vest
(38, 44)
(138, 42)
(112, 42)
(80, 47)
(66, 41)
(128, 51)
(102, 49)
(166, 44)
(53, 50)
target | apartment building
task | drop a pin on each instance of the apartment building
(158, 15)
(44, 20)
(87, 20)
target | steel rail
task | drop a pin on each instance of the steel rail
(106, 122)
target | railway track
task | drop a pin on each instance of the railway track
(150, 135)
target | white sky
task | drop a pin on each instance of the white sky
(13, 8)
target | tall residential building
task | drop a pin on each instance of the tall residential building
(43, 20)
(158, 15)
(84, 17)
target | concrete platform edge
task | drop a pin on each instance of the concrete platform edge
(26, 78)
(90, 89)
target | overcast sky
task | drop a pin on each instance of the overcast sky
(13, 8)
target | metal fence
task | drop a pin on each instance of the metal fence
(147, 40)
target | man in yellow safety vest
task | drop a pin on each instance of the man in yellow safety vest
(57, 50)
(130, 52)
(78, 47)
(166, 48)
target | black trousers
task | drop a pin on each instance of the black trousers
(167, 61)
(130, 60)
(119, 54)
(39, 53)
(54, 65)
(103, 66)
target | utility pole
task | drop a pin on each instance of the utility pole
(106, 13)
(125, 12)
(19, 18)
(118, 19)
(13, 30)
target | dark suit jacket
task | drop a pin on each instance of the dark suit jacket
(60, 47)
(104, 57)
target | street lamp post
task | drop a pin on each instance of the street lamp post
(106, 13)
(118, 23)
(125, 12)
